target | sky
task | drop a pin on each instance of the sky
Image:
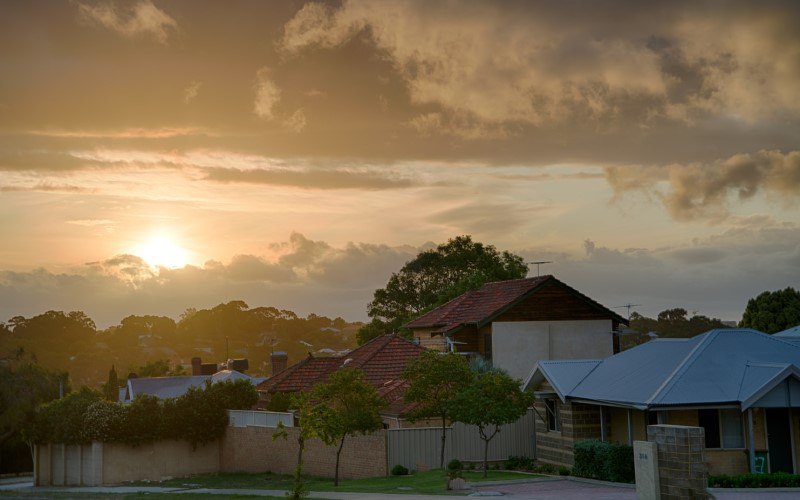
(157, 155)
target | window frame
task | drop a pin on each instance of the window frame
(553, 415)
(721, 432)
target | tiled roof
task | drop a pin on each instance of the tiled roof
(382, 360)
(482, 305)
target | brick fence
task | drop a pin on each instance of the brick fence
(252, 449)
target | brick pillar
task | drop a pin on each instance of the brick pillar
(681, 463)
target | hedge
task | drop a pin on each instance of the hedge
(773, 480)
(604, 461)
(197, 417)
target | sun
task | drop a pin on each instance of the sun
(160, 251)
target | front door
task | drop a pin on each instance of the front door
(779, 440)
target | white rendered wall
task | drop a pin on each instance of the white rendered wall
(518, 345)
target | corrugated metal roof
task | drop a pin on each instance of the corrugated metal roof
(720, 366)
(789, 333)
(173, 387)
(566, 374)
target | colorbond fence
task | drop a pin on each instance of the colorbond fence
(245, 418)
(421, 448)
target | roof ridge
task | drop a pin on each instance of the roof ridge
(683, 365)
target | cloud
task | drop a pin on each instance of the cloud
(267, 94)
(252, 268)
(550, 64)
(296, 122)
(190, 92)
(486, 218)
(127, 133)
(46, 187)
(140, 19)
(334, 178)
(91, 222)
(703, 190)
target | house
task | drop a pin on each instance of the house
(514, 323)
(790, 334)
(740, 385)
(382, 359)
(173, 387)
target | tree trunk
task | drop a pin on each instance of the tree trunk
(338, 453)
(485, 457)
(444, 436)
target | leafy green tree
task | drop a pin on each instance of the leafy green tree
(233, 394)
(62, 420)
(24, 385)
(674, 323)
(200, 419)
(111, 388)
(773, 312)
(344, 406)
(307, 415)
(492, 399)
(435, 276)
(434, 379)
(159, 368)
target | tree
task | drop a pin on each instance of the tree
(24, 386)
(491, 400)
(772, 312)
(305, 411)
(344, 406)
(434, 379)
(435, 276)
(673, 323)
(111, 388)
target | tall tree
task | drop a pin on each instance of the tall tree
(344, 406)
(434, 379)
(675, 323)
(491, 400)
(435, 276)
(111, 388)
(772, 312)
(24, 385)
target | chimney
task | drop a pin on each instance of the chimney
(196, 366)
(280, 360)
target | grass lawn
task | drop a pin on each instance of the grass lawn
(430, 482)
(126, 496)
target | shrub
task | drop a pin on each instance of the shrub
(563, 471)
(471, 466)
(773, 480)
(61, 421)
(455, 464)
(604, 461)
(515, 462)
(399, 470)
(545, 469)
(105, 421)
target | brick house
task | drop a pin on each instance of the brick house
(740, 385)
(382, 360)
(515, 323)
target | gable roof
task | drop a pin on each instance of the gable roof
(382, 359)
(789, 333)
(722, 366)
(482, 306)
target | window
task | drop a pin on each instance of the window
(553, 418)
(723, 428)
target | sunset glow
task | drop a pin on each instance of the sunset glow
(161, 155)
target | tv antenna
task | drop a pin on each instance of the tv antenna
(539, 263)
(628, 307)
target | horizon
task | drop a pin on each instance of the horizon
(157, 156)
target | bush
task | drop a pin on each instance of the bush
(774, 480)
(604, 461)
(399, 470)
(517, 463)
(105, 421)
(545, 469)
(563, 471)
(455, 464)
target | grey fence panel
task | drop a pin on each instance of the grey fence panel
(413, 448)
(245, 418)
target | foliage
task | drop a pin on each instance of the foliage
(434, 379)
(519, 463)
(105, 421)
(399, 470)
(563, 471)
(198, 416)
(675, 323)
(604, 461)
(279, 401)
(455, 464)
(434, 277)
(159, 368)
(773, 480)
(62, 420)
(772, 312)
(24, 385)
(491, 400)
(344, 406)
(111, 387)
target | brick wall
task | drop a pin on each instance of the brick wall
(681, 461)
(251, 449)
(578, 422)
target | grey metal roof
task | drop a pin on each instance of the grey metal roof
(173, 387)
(789, 333)
(563, 375)
(720, 366)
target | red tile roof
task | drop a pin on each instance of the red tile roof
(480, 306)
(382, 360)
